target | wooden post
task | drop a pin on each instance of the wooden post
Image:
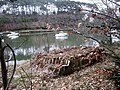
(3, 66)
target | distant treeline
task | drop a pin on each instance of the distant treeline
(41, 7)
(16, 19)
(11, 22)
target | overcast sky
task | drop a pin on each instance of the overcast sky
(86, 1)
(98, 2)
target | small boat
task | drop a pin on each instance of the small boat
(61, 34)
(13, 35)
(62, 38)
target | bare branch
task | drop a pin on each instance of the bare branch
(101, 43)
(87, 36)
(14, 68)
(23, 80)
(21, 44)
(104, 15)
(114, 2)
(27, 77)
(105, 3)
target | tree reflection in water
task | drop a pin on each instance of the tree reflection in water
(43, 42)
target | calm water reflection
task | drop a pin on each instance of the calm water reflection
(27, 45)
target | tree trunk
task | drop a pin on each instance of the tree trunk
(3, 66)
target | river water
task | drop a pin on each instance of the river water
(27, 45)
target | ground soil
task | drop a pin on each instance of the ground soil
(93, 77)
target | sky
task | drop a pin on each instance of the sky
(98, 3)
(89, 1)
(86, 1)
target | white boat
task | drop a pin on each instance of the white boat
(61, 34)
(13, 35)
(62, 38)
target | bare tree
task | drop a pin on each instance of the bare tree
(105, 28)
(105, 24)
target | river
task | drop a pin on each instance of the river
(27, 45)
